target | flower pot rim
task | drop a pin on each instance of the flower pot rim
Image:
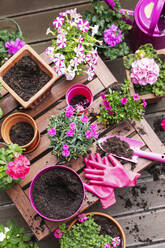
(41, 172)
(110, 218)
(19, 114)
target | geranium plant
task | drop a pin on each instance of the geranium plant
(13, 166)
(147, 70)
(112, 28)
(72, 47)
(71, 134)
(120, 105)
(85, 233)
(13, 236)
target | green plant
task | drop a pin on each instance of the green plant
(147, 51)
(13, 166)
(85, 234)
(13, 236)
(120, 105)
(71, 134)
(104, 17)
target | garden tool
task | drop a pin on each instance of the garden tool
(135, 146)
(149, 23)
(106, 194)
(116, 176)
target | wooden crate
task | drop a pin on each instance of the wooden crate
(42, 157)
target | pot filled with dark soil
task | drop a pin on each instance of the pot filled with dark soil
(80, 97)
(20, 128)
(27, 77)
(57, 193)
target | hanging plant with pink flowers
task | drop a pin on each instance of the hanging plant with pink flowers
(72, 47)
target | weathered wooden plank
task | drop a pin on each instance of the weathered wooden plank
(4, 199)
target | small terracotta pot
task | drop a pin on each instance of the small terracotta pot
(79, 89)
(116, 223)
(54, 167)
(11, 120)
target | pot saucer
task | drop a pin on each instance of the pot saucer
(35, 144)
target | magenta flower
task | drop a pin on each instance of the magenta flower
(52, 132)
(13, 47)
(95, 134)
(84, 119)
(83, 25)
(61, 43)
(69, 114)
(69, 108)
(110, 112)
(73, 125)
(93, 127)
(163, 124)
(65, 147)
(65, 153)
(88, 134)
(82, 218)
(123, 100)
(107, 105)
(57, 233)
(116, 242)
(136, 97)
(59, 60)
(144, 103)
(70, 132)
(113, 36)
(58, 22)
(103, 96)
(19, 167)
(106, 246)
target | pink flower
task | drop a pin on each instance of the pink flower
(80, 39)
(57, 233)
(49, 52)
(59, 60)
(73, 125)
(69, 111)
(123, 100)
(113, 36)
(116, 242)
(13, 47)
(144, 71)
(84, 119)
(136, 97)
(83, 25)
(65, 153)
(144, 103)
(19, 167)
(70, 132)
(61, 43)
(95, 134)
(52, 132)
(92, 57)
(93, 127)
(88, 134)
(103, 96)
(107, 105)
(91, 73)
(79, 50)
(110, 112)
(82, 218)
(163, 124)
(58, 22)
(60, 70)
(106, 246)
(65, 147)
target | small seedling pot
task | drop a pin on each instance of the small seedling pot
(11, 120)
(115, 222)
(79, 89)
(45, 189)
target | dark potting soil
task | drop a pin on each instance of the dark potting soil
(21, 133)
(108, 227)
(26, 78)
(79, 101)
(119, 147)
(57, 193)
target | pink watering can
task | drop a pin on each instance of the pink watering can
(149, 23)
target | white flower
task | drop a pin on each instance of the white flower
(83, 25)
(48, 31)
(59, 60)
(79, 50)
(70, 74)
(60, 70)
(3, 235)
(95, 30)
(49, 52)
(61, 42)
(58, 22)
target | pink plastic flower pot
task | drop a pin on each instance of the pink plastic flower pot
(54, 167)
(79, 89)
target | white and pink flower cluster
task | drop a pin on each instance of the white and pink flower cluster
(73, 47)
(144, 71)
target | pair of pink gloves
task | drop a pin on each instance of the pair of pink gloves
(105, 175)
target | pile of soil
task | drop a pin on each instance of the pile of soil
(119, 147)
(79, 101)
(21, 133)
(57, 193)
(26, 78)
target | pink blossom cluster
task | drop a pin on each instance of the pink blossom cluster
(106, 104)
(92, 132)
(58, 233)
(82, 218)
(144, 71)
(69, 111)
(52, 132)
(14, 46)
(19, 167)
(106, 246)
(70, 132)
(163, 124)
(65, 151)
(115, 242)
(113, 36)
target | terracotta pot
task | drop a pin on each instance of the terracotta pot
(28, 51)
(116, 223)
(11, 120)
(79, 89)
(54, 167)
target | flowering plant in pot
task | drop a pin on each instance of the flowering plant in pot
(72, 47)
(13, 236)
(146, 71)
(119, 105)
(95, 230)
(112, 29)
(71, 134)
(13, 165)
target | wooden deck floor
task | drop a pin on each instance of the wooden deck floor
(140, 210)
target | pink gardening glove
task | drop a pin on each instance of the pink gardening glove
(116, 177)
(106, 194)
